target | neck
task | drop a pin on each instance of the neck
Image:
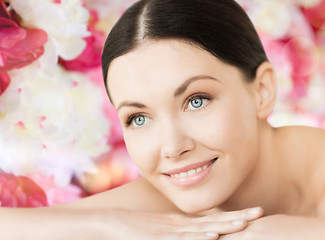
(269, 185)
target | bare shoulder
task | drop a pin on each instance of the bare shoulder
(302, 131)
(305, 147)
(306, 141)
(137, 195)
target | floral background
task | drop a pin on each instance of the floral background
(60, 139)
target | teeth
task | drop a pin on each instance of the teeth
(190, 172)
(183, 174)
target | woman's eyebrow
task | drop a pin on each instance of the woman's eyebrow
(181, 89)
(130, 104)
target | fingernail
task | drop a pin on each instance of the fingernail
(211, 234)
(237, 222)
(254, 211)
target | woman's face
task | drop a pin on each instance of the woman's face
(189, 121)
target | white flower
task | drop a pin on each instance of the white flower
(51, 121)
(65, 22)
(277, 19)
(112, 7)
(308, 3)
(270, 18)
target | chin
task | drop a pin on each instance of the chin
(193, 210)
(194, 207)
(200, 201)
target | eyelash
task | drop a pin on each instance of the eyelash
(194, 96)
(130, 119)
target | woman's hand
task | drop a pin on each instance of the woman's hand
(281, 227)
(121, 224)
(57, 223)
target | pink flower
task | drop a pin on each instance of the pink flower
(56, 194)
(297, 58)
(4, 81)
(18, 46)
(20, 192)
(90, 57)
(302, 55)
(316, 15)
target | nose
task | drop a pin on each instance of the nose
(175, 140)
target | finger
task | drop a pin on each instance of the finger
(234, 236)
(192, 235)
(247, 214)
(226, 227)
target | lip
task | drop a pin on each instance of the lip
(190, 180)
(188, 167)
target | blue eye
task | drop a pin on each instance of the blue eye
(139, 120)
(136, 120)
(197, 103)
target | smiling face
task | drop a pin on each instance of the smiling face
(189, 121)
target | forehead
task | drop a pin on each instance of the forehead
(157, 65)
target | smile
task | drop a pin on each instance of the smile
(190, 175)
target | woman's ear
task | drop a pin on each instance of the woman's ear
(265, 89)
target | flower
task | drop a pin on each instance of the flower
(315, 14)
(56, 194)
(18, 46)
(51, 121)
(20, 192)
(90, 57)
(304, 58)
(275, 10)
(4, 81)
(108, 7)
(64, 21)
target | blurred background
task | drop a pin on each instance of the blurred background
(60, 139)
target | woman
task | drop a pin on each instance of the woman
(192, 84)
(193, 88)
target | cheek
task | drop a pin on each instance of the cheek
(225, 127)
(142, 148)
(239, 139)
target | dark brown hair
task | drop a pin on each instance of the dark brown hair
(220, 27)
